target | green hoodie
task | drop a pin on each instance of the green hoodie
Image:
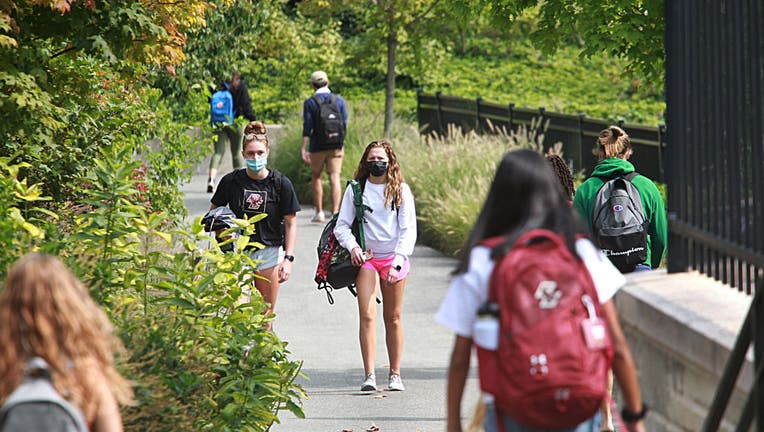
(652, 203)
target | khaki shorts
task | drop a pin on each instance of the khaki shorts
(331, 158)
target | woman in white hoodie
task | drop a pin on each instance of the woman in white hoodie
(390, 234)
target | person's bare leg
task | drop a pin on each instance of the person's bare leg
(392, 303)
(217, 157)
(336, 191)
(269, 289)
(318, 192)
(367, 314)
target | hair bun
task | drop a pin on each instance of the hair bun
(255, 127)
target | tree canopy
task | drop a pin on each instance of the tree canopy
(40, 38)
(632, 30)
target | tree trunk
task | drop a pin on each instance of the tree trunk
(392, 45)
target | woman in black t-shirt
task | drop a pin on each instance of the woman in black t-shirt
(255, 190)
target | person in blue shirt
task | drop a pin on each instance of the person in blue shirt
(320, 157)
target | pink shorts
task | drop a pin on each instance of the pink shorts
(382, 266)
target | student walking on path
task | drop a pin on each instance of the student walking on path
(613, 151)
(525, 195)
(229, 135)
(47, 313)
(323, 135)
(390, 232)
(255, 190)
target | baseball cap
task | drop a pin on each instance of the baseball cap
(319, 78)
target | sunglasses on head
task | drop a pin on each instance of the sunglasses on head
(259, 137)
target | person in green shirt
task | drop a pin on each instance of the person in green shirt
(613, 151)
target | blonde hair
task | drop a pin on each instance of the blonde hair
(255, 131)
(394, 175)
(613, 142)
(46, 311)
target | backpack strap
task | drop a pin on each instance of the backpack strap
(630, 176)
(320, 101)
(278, 183)
(360, 208)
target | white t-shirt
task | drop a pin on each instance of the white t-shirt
(387, 232)
(468, 291)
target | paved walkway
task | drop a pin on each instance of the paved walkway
(325, 337)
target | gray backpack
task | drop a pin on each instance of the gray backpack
(35, 406)
(619, 226)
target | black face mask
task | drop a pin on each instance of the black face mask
(376, 168)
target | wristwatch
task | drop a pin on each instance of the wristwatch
(630, 416)
(289, 257)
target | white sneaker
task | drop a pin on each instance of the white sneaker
(370, 383)
(395, 383)
(318, 218)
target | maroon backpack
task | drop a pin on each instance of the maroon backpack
(554, 351)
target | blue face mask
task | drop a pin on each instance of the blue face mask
(256, 165)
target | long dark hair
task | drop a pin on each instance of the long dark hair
(524, 194)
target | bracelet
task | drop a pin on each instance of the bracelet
(630, 416)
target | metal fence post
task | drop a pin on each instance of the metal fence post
(661, 149)
(581, 118)
(542, 126)
(478, 124)
(439, 113)
(757, 330)
(419, 106)
(511, 117)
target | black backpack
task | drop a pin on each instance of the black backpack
(619, 226)
(334, 269)
(36, 406)
(220, 218)
(328, 123)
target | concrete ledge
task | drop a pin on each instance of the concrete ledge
(681, 328)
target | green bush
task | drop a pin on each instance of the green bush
(179, 310)
(25, 222)
(197, 350)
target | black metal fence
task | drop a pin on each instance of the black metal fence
(577, 133)
(715, 163)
